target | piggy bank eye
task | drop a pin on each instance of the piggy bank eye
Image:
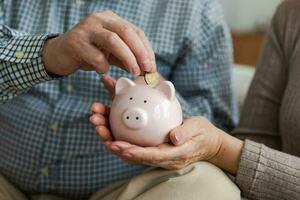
(130, 98)
(145, 101)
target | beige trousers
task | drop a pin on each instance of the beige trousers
(199, 181)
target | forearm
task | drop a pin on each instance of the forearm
(265, 172)
(259, 170)
(21, 63)
(228, 156)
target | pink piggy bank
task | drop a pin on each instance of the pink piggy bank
(143, 115)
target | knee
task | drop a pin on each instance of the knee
(208, 182)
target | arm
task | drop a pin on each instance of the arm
(26, 59)
(202, 76)
(21, 64)
(265, 173)
(260, 172)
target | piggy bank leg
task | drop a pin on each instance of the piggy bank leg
(199, 181)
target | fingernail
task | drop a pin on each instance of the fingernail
(147, 65)
(115, 148)
(136, 70)
(127, 155)
(178, 138)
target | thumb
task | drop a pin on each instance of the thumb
(189, 128)
(109, 84)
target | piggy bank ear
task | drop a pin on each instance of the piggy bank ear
(167, 88)
(123, 83)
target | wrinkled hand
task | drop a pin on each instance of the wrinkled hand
(196, 139)
(99, 40)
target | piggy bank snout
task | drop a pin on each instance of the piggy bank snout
(135, 118)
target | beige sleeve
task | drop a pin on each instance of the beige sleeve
(265, 173)
(259, 119)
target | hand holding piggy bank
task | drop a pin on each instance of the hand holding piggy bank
(143, 115)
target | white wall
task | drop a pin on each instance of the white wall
(249, 15)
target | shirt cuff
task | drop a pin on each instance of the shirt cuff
(21, 58)
(250, 158)
(21, 62)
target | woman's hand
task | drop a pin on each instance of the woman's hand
(195, 140)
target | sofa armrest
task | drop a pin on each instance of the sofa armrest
(242, 77)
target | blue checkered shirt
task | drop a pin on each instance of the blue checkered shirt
(47, 144)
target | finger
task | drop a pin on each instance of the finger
(87, 67)
(98, 119)
(118, 147)
(116, 62)
(104, 133)
(148, 46)
(128, 34)
(184, 132)
(112, 43)
(109, 84)
(152, 154)
(122, 145)
(130, 152)
(100, 108)
(95, 58)
(112, 59)
(113, 17)
(130, 162)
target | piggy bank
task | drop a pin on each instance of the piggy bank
(143, 115)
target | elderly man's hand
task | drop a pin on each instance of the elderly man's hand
(97, 41)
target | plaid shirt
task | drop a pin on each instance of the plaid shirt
(47, 144)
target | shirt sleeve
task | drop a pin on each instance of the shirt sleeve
(202, 76)
(265, 173)
(21, 64)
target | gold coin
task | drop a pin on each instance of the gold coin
(151, 79)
